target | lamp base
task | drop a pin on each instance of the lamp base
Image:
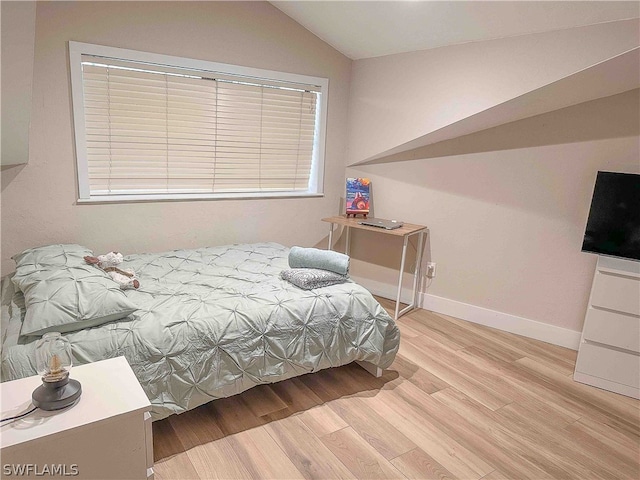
(48, 396)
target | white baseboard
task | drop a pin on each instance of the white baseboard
(483, 316)
(503, 321)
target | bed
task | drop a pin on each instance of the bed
(206, 323)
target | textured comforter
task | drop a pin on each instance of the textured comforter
(214, 322)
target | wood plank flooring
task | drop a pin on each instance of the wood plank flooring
(460, 401)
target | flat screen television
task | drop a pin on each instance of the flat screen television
(613, 226)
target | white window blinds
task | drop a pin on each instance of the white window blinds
(151, 129)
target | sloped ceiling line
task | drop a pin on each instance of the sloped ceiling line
(615, 75)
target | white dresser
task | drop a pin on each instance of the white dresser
(609, 352)
(105, 435)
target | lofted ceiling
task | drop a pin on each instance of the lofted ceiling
(610, 77)
(364, 29)
(367, 29)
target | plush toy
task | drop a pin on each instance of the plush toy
(107, 262)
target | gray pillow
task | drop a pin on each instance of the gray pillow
(62, 293)
(310, 278)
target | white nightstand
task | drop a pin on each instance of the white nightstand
(105, 435)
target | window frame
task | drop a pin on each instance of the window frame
(78, 49)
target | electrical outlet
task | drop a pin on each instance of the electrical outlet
(431, 269)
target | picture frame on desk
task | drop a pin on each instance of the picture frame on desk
(358, 196)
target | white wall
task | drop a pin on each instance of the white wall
(39, 199)
(18, 38)
(507, 206)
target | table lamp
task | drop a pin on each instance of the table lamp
(53, 362)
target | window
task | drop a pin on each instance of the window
(151, 126)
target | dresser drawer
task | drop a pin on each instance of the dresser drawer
(603, 326)
(616, 292)
(612, 365)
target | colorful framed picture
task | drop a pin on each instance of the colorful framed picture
(358, 194)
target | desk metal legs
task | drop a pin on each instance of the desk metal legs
(347, 245)
(405, 241)
(418, 271)
(348, 239)
(416, 275)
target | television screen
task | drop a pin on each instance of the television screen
(613, 226)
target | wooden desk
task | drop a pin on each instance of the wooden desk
(407, 230)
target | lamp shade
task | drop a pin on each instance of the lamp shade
(53, 362)
(53, 356)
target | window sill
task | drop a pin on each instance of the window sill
(192, 197)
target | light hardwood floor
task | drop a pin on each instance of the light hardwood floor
(460, 401)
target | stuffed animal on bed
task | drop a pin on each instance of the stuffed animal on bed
(107, 262)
